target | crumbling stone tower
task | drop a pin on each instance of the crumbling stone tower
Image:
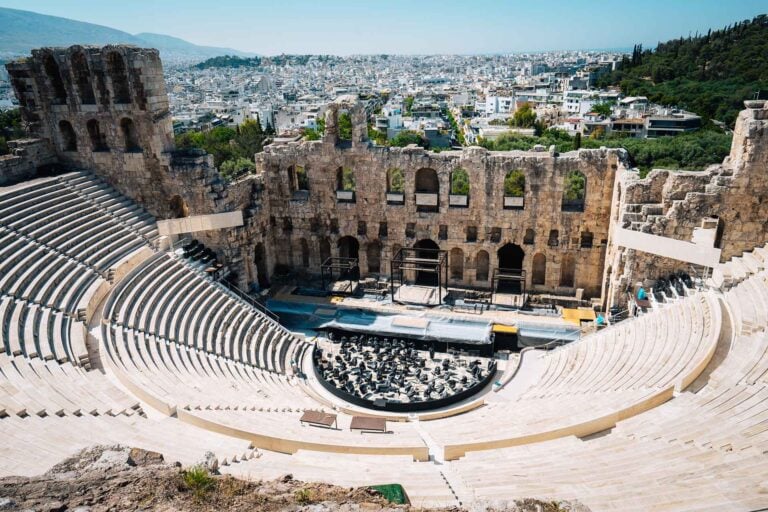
(100, 108)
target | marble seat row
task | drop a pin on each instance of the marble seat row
(592, 383)
(182, 377)
(167, 298)
(32, 330)
(32, 445)
(702, 450)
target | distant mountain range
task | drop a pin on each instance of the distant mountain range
(21, 31)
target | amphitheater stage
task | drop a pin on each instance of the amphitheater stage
(420, 295)
(510, 300)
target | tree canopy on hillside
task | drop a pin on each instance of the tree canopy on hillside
(710, 74)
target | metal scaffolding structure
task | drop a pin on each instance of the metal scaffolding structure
(430, 266)
(344, 272)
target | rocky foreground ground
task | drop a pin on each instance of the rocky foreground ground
(116, 478)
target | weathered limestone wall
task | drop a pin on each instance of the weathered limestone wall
(27, 158)
(673, 204)
(104, 109)
(301, 223)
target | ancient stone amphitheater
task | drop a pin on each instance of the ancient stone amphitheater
(111, 338)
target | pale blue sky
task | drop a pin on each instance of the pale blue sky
(406, 26)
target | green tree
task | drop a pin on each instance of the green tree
(575, 186)
(408, 104)
(396, 180)
(514, 184)
(250, 138)
(10, 128)
(577, 140)
(524, 116)
(347, 179)
(604, 109)
(407, 137)
(345, 126)
(460, 182)
(311, 134)
(231, 169)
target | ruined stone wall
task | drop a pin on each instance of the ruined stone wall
(674, 204)
(66, 93)
(300, 223)
(101, 108)
(28, 158)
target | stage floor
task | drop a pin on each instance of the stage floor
(423, 295)
(514, 300)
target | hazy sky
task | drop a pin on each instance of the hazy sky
(400, 26)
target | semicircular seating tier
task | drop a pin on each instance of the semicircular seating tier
(61, 240)
(166, 298)
(589, 385)
(703, 450)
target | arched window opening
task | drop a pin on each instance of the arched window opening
(530, 237)
(68, 136)
(427, 190)
(567, 271)
(116, 68)
(514, 190)
(574, 192)
(373, 255)
(554, 238)
(482, 265)
(130, 136)
(345, 184)
(459, 195)
(55, 81)
(98, 139)
(395, 181)
(83, 79)
(457, 263)
(539, 269)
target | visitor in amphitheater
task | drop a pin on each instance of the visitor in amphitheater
(641, 294)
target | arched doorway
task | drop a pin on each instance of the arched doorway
(457, 263)
(427, 249)
(325, 250)
(539, 269)
(178, 207)
(510, 258)
(348, 247)
(373, 255)
(260, 260)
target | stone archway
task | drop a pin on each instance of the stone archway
(510, 257)
(348, 247)
(178, 207)
(426, 249)
(373, 255)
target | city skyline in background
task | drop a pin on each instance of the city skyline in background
(400, 27)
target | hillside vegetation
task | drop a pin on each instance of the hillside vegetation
(710, 74)
(691, 151)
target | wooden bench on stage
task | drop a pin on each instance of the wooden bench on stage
(318, 419)
(368, 424)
